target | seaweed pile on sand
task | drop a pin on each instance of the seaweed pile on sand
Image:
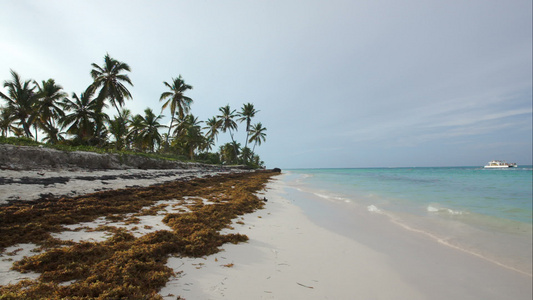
(124, 266)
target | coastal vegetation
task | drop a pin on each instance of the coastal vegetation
(31, 108)
(123, 266)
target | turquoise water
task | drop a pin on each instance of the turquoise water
(501, 194)
(484, 212)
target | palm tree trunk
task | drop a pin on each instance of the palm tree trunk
(247, 133)
(233, 141)
(168, 135)
(26, 128)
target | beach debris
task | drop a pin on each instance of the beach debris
(306, 286)
(230, 265)
(126, 264)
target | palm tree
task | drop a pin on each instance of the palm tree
(20, 99)
(258, 134)
(84, 117)
(136, 125)
(229, 152)
(227, 123)
(6, 122)
(176, 99)
(246, 154)
(190, 134)
(247, 113)
(226, 120)
(53, 135)
(149, 134)
(213, 126)
(207, 144)
(47, 109)
(118, 127)
(110, 80)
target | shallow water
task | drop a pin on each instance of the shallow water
(487, 213)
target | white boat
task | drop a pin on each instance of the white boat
(499, 164)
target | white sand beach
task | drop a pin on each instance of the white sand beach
(289, 256)
(294, 254)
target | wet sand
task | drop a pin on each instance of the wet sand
(294, 254)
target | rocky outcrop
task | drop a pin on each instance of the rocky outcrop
(33, 158)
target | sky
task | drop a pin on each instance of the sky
(355, 83)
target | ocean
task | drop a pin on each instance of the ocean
(485, 212)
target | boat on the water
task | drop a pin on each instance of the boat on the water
(500, 164)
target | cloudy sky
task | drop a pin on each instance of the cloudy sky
(355, 83)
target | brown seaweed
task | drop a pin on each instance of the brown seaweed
(123, 266)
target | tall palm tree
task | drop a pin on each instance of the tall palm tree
(175, 98)
(258, 134)
(84, 116)
(213, 127)
(20, 99)
(47, 110)
(110, 80)
(149, 134)
(227, 123)
(226, 120)
(246, 114)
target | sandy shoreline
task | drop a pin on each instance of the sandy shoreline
(297, 252)
(290, 256)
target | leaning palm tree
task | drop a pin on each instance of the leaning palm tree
(175, 99)
(246, 114)
(258, 134)
(20, 100)
(84, 115)
(47, 110)
(149, 134)
(110, 80)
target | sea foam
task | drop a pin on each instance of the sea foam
(373, 208)
(443, 210)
